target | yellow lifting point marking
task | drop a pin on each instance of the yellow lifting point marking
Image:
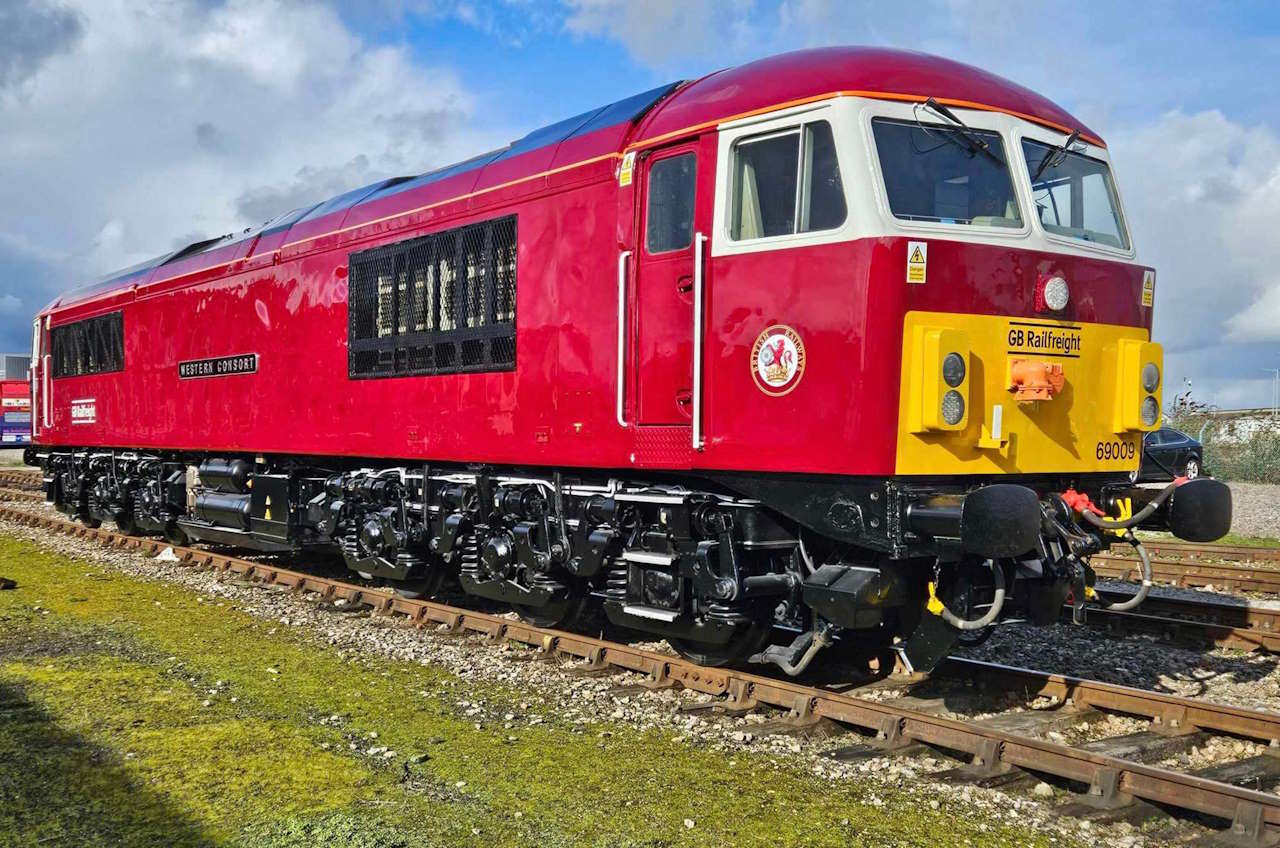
(1124, 507)
(267, 514)
(934, 605)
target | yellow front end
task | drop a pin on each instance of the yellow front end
(984, 394)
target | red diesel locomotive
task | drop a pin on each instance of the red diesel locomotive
(842, 345)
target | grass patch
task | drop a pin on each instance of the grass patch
(1229, 539)
(118, 727)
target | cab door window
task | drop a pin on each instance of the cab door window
(669, 221)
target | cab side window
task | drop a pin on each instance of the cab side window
(669, 221)
(785, 183)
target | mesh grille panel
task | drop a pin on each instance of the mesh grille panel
(439, 304)
(91, 346)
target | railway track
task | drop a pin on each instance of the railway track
(1230, 576)
(1198, 621)
(21, 478)
(1116, 774)
(1195, 550)
(15, 493)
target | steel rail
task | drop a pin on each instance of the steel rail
(20, 477)
(1212, 549)
(1248, 628)
(989, 747)
(1190, 573)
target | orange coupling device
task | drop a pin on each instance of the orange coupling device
(1079, 502)
(1031, 380)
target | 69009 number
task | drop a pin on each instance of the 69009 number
(1116, 450)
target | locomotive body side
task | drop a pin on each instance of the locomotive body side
(724, 356)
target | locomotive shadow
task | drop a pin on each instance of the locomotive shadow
(59, 787)
(1140, 661)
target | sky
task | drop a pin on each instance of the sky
(131, 127)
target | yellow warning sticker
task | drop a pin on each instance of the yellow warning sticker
(1148, 288)
(917, 261)
(626, 169)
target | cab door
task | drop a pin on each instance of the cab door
(667, 252)
(39, 371)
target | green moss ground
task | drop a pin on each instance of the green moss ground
(132, 714)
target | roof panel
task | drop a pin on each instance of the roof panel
(624, 111)
(348, 199)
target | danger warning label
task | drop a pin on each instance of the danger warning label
(917, 261)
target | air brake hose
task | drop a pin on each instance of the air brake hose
(821, 639)
(937, 607)
(1135, 519)
(1145, 588)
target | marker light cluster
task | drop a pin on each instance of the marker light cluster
(1150, 409)
(1139, 381)
(939, 383)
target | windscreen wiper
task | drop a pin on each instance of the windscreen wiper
(974, 143)
(1055, 156)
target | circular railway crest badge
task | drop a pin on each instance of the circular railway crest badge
(777, 360)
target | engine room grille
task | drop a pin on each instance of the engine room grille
(91, 346)
(439, 304)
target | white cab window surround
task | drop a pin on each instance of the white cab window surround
(1013, 130)
(868, 214)
(985, 122)
(1035, 133)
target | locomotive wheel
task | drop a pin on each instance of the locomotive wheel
(559, 614)
(750, 639)
(127, 525)
(90, 522)
(420, 587)
(174, 535)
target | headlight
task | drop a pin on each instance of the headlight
(1150, 411)
(953, 370)
(1150, 377)
(1056, 294)
(952, 407)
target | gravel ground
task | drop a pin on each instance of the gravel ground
(553, 690)
(1255, 509)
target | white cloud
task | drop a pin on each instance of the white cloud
(160, 120)
(1203, 193)
(658, 31)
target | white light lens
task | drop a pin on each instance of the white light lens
(952, 407)
(1150, 377)
(1150, 411)
(1056, 294)
(953, 369)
